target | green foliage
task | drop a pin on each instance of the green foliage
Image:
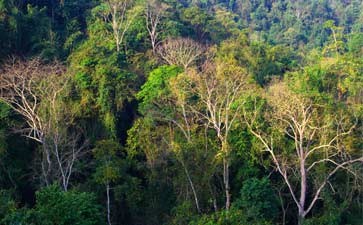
(7, 204)
(148, 143)
(262, 60)
(183, 213)
(230, 217)
(101, 79)
(257, 199)
(4, 123)
(107, 153)
(54, 206)
(355, 43)
(156, 87)
(331, 215)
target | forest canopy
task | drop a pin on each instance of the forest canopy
(200, 112)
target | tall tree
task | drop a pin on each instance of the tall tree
(154, 13)
(121, 14)
(106, 152)
(317, 139)
(218, 87)
(157, 92)
(35, 90)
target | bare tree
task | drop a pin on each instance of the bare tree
(154, 13)
(34, 90)
(121, 15)
(219, 86)
(18, 83)
(317, 141)
(66, 148)
(180, 51)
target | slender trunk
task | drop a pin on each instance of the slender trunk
(44, 173)
(283, 208)
(335, 43)
(154, 47)
(108, 204)
(303, 188)
(283, 216)
(227, 187)
(215, 206)
(153, 42)
(192, 186)
(226, 182)
(63, 174)
(46, 163)
(118, 43)
(53, 13)
(115, 27)
(301, 218)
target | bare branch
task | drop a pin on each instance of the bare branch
(180, 51)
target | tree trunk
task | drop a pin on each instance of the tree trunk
(303, 188)
(192, 186)
(226, 182)
(301, 217)
(227, 187)
(46, 163)
(115, 27)
(283, 208)
(215, 206)
(108, 204)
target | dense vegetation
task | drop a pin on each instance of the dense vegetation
(181, 112)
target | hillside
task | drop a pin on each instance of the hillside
(176, 112)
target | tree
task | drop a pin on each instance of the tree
(180, 51)
(35, 90)
(121, 15)
(154, 13)
(103, 83)
(217, 88)
(56, 206)
(337, 44)
(317, 138)
(198, 19)
(257, 199)
(159, 101)
(106, 152)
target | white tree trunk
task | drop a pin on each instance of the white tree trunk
(108, 204)
(192, 186)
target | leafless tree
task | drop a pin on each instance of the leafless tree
(219, 86)
(66, 148)
(19, 82)
(317, 140)
(154, 13)
(34, 90)
(180, 51)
